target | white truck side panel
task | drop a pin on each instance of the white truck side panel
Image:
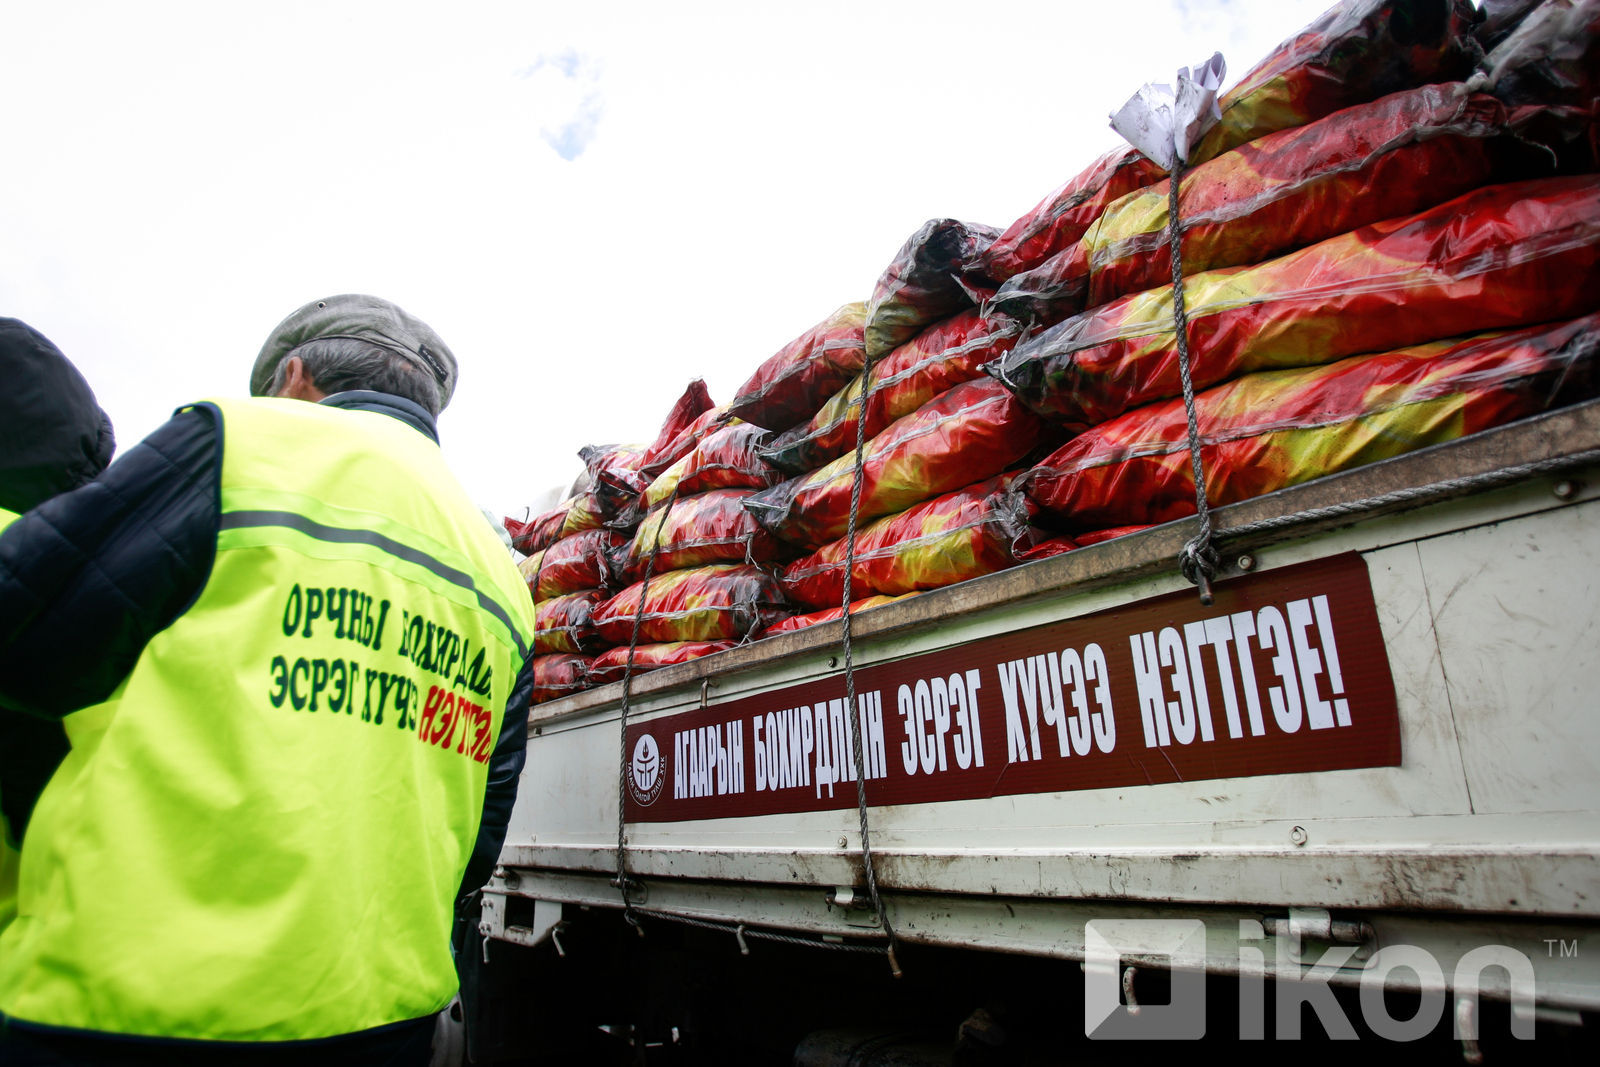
(1488, 829)
(1500, 743)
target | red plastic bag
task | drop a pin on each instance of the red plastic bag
(572, 516)
(795, 380)
(1552, 57)
(516, 529)
(813, 618)
(582, 561)
(930, 364)
(1382, 160)
(1274, 429)
(1503, 256)
(936, 274)
(719, 602)
(730, 458)
(1052, 291)
(616, 476)
(965, 534)
(686, 412)
(619, 473)
(1356, 51)
(976, 430)
(709, 527)
(1061, 219)
(1548, 71)
(609, 665)
(566, 623)
(1094, 537)
(1061, 544)
(559, 674)
(1049, 546)
(660, 457)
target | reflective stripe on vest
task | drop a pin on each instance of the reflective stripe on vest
(260, 835)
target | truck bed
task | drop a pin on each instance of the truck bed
(1452, 801)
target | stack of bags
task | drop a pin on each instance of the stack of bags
(938, 438)
(1386, 274)
(1390, 240)
(673, 509)
(709, 589)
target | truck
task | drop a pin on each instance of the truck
(1320, 763)
(1022, 818)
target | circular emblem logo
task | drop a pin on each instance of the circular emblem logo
(647, 771)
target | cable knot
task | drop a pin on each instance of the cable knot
(1199, 562)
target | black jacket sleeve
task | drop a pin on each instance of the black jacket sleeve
(505, 770)
(90, 576)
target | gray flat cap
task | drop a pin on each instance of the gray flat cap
(365, 318)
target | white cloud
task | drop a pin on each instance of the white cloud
(566, 90)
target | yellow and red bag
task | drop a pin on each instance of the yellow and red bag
(566, 623)
(975, 430)
(794, 381)
(813, 618)
(718, 602)
(1274, 429)
(661, 456)
(559, 674)
(1357, 50)
(1060, 220)
(582, 561)
(609, 665)
(1393, 157)
(573, 515)
(960, 535)
(729, 458)
(709, 527)
(936, 274)
(935, 361)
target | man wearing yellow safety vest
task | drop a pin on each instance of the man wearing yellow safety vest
(292, 658)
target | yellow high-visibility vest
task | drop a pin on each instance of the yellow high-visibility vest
(259, 836)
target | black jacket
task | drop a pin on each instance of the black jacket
(89, 577)
(53, 437)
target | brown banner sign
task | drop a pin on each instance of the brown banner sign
(1285, 672)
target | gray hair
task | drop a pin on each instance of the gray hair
(336, 364)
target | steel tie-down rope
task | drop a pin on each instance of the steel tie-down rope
(622, 880)
(1198, 559)
(852, 712)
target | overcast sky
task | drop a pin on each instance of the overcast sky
(592, 203)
